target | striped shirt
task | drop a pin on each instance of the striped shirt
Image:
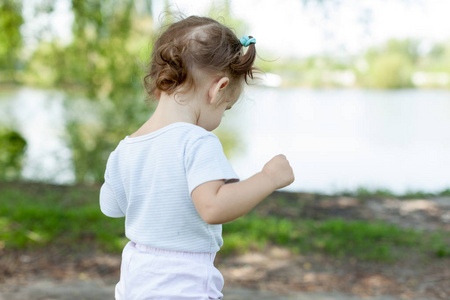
(149, 180)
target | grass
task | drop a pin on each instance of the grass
(39, 215)
(35, 216)
(336, 237)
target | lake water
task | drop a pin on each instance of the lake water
(335, 139)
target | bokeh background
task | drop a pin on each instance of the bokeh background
(355, 93)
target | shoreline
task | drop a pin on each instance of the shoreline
(360, 192)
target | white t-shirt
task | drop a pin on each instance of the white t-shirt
(149, 180)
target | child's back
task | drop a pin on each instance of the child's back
(149, 180)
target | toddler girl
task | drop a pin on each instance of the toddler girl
(171, 180)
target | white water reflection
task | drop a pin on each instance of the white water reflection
(39, 116)
(343, 139)
(335, 139)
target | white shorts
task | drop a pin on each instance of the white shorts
(148, 273)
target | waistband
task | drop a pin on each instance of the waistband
(206, 257)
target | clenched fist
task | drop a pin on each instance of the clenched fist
(279, 170)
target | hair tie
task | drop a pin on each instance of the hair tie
(246, 40)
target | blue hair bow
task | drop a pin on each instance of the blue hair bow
(246, 40)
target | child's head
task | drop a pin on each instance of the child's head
(196, 49)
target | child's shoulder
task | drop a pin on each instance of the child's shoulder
(199, 133)
(194, 131)
(193, 136)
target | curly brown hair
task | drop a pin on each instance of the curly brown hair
(192, 47)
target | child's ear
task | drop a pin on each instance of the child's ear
(217, 87)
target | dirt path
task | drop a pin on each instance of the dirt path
(413, 277)
(99, 290)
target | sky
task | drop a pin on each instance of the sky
(288, 28)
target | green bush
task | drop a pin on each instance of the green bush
(391, 71)
(12, 150)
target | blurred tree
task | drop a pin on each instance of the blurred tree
(438, 51)
(10, 39)
(105, 36)
(438, 59)
(103, 63)
(391, 65)
(390, 71)
(408, 48)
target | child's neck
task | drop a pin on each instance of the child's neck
(168, 111)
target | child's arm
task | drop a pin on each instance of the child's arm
(219, 203)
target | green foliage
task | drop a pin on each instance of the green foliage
(390, 71)
(438, 245)
(12, 150)
(89, 150)
(104, 64)
(387, 66)
(445, 193)
(315, 71)
(390, 66)
(10, 39)
(437, 62)
(103, 55)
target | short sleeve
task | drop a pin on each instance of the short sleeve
(108, 202)
(205, 161)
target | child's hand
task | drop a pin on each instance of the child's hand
(279, 170)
